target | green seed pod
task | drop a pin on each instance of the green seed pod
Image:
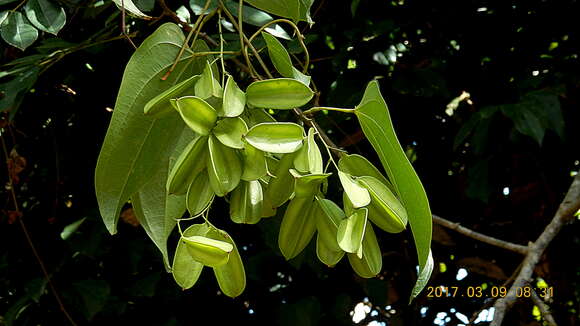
(358, 195)
(351, 231)
(185, 269)
(307, 185)
(256, 116)
(209, 252)
(199, 194)
(229, 131)
(276, 137)
(281, 187)
(279, 93)
(268, 209)
(160, 104)
(386, 211)
(297, 228)
(234, 100)
(246, 202)
(208, 86)
(224, 167)
(231, 277)
(358, 166)
(197, 114)
(254, 160)
(372, 260)
(189, 163)
(309, 159)
(328, 217)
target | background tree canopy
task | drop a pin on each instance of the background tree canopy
(483, 96)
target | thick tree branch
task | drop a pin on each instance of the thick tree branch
(565, 214)
(481, 237)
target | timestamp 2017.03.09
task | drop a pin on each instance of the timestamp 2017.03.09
(485, 292)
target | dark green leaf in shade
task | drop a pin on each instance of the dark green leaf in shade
(45, 15)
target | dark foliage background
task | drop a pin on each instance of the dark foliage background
(498, 161)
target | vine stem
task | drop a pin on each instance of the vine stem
(222, 47)
(247, 42)
(29, 238)
(196, 28)
(321, 108)
(298, 35)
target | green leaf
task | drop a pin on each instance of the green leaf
(208, 87)
(256, 18)
(372, 259)
(373, 116)
(17, 31)
(131, 8)
(284, 8)
(281, 60)
(155, 209)
(297, 228)
(525, 121)
(71, 228)
(230, 131)
(161, 104)
(309, 158)
(135, 144)
(198, 5)
(196, 113)
(276, 137)
(358, 195)
(93, 294)
(224, 167)
(278, 93)
(15, 89)
(351, 231)
(185, 269)
(199, 194)
(45, 15)
(234, 100)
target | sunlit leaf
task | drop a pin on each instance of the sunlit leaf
(374, 118)
(358, 195)
(234, 100)
(131, 8)
(229, 131)
(351, 231)
(185, 269)
(281, 60)
(17, 31)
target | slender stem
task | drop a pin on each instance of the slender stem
(523, 250)
(123, 26)
(29, 239)
(18, 6)
(298, 35)
(544, 309)
(196, 27)
(222, 48)
(248, 43)
(321, 108)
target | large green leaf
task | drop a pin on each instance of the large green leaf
(17, 31)
(45, 15)
(297, 10)
(374, 118)
(135, 144)
(157, 210)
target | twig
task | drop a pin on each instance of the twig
(481, 237)
(29, 240)
(327, 141)
(565, 214)
(544, 309)
(123, 27)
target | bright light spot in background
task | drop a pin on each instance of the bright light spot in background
(423, 311)
(485, 315)
(360, 312)
(462, 317)
(482, 9)
(251, 311)
(535, 73)
(461, 274)
(376, 323)
(374, 313)
(351, 64)
(506, 191)
(439, 319)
